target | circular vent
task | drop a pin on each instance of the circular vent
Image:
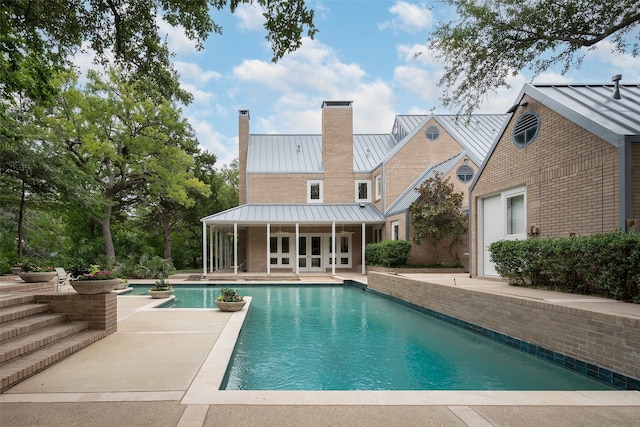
(432, 133)
(465, 173)
(526, 129)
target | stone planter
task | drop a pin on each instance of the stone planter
(38, 276)
(15, 270)
(121, 285)
(161, 294)
(92, 287)
(230, 306)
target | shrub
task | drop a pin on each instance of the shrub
(390, 253)
(604, 264)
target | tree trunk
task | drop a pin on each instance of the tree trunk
(21, 219)
(105, 224)
(166, 232)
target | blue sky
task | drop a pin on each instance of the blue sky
(364, 52)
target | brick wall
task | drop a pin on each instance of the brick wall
(101, 311)
(635, 181)
(605, 340)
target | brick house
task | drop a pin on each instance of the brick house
(567, 162)
(306, 197)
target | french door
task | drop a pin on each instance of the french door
(310, 252)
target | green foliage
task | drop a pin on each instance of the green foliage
(492, 40)
(148, 267)
(603, 264)
(437, 214)
(229, 295)
(390, 253)
(162, 285)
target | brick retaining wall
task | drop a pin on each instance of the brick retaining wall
(101, 310)
(609, 341)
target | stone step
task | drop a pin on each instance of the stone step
(26, 325)
(19, 369)
(36, 340)
(8, 300)
(15, 312)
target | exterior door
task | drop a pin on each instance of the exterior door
(492, 231)
(310, 253)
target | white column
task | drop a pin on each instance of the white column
(364, 247)
(333, 248)
(204, 248)
(268, 249)
(211, 233)
(297, 249)
(215, 250)
(235, 248)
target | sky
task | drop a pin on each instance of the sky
(371, 52)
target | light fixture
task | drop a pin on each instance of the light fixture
(524, 103)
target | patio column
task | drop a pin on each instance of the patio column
(268, 251)
(235, 248)
(204, 249)
(211, 246)
(297, 261)
(364, 247)
(333, 248)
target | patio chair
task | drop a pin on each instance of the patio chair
(63, 278)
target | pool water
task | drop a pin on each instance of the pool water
(343, 338)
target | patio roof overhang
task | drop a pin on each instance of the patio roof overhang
(260, 214)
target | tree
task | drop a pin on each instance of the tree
(126, 147)
(437, 214)
(41, 36)
(496, 39)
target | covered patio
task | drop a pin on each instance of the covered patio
(289, 239)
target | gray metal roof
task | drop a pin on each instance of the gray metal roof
(410, 195)
(370, 150)
(284, 153)
(476, 133)
(349, 213)
(404, 124)
(594, 108)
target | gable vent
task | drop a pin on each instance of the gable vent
(526, 129)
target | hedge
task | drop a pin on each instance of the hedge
(601, 264)
(390, 253)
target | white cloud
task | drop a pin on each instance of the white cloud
(190, 71)
(225, 148)
(612, 63)
(250, 17)
(175, 37)
(409, 17)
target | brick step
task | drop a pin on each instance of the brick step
(15, 312)
(26, 325)
(17, 370)
(34, 341)
(8, 300)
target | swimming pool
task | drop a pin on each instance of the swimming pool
(342, 338)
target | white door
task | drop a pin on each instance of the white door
(310, 253)
(492, 231)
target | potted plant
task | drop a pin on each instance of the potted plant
(36, 271)
(162, 289)
(230, 300)
(15, 267)
(95, 282)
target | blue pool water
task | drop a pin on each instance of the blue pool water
(343, 338)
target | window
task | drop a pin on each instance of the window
(465, 173)
(515, 214)
(432, 133)
(342, 257)
(314, 191)
(378, 187)
(526, 129)
(395, 230)
(279, 251)
(363, 193)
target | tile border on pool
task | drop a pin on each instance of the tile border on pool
(598, 373)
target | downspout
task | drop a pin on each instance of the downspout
(624, 182)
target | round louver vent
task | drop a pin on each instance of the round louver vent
(465, 173)
(432, 133)
(526, 129)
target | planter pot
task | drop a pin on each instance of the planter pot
(161, 294)
(92, 287)
(42, 276)
(121, 285)
(15, 270)
(230, 306)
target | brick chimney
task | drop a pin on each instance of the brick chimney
(337, 151)
(243, 141)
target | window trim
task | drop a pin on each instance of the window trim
(357, 195)
(395, 230)
(311, 182)
(378, 185)
(516, 192)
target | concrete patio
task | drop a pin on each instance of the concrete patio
(163, 366)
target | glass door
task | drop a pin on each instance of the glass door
(310, 253)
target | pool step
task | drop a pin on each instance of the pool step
(32, 338)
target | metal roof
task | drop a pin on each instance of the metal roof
(404, 124)
(255, 214)
(284, 153)
(594, 108)
(410, 195)
(476, 133)
(370, 150)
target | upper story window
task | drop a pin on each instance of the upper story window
(465, 173)
(378, 187)
(363, 191)
(314, 191)
(432, 133)
(526, 129)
